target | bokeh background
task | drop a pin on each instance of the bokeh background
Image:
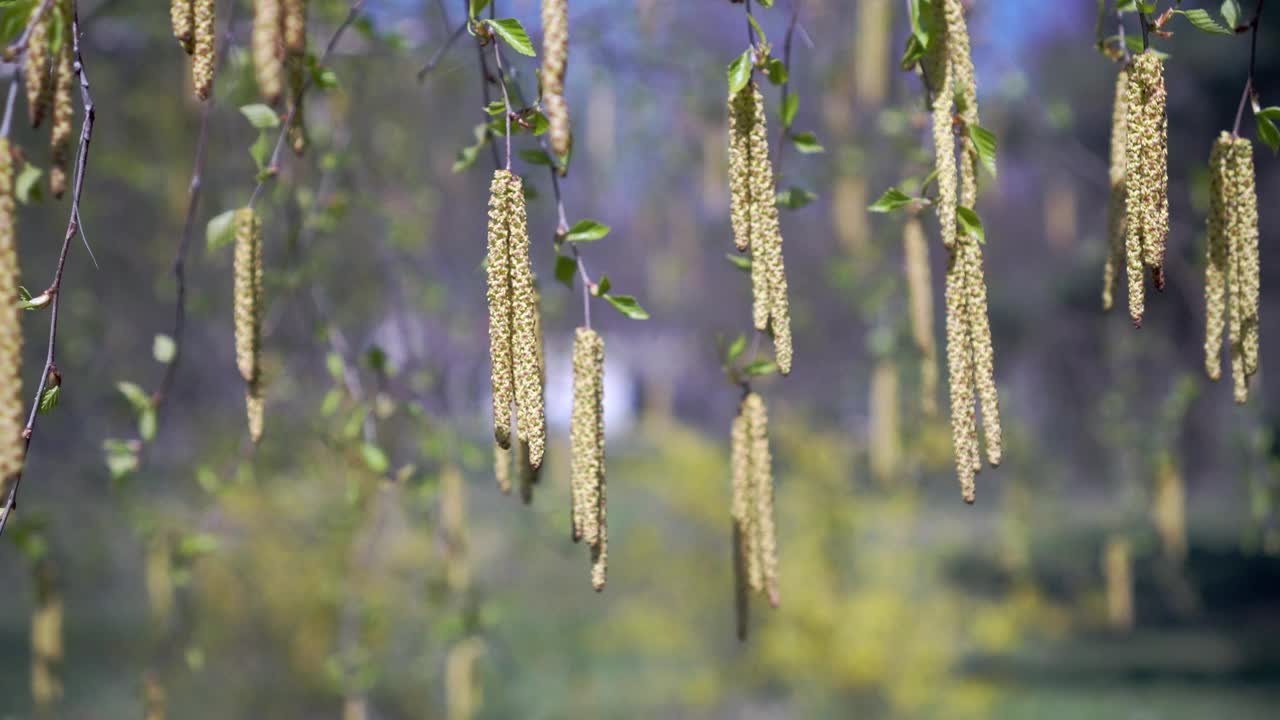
(1121, 564)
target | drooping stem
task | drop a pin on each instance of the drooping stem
(506, 99)
(1254, 24)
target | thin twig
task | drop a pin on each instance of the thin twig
(506, 99)
(440, 52)
(786, 86)
(1124, 44)
(50, 372)
(1254, 24)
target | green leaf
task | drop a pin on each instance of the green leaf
(776, 70)
(1201, 19)
(49, 401)
(971, 223)
(1271, 113)
(790, 104)
(260, 151)
(535, 156)
(513, 34)
(742, 262)
(197, 544)
(587, 231)
(261, 116)
(735, 349)
(477, 6)
(740, 72)
(892, 199)
(1230, 11)
(603, 286)
(984, 141)
(121, 457)
(163, 348)
(147, 425)
(566, 268)
(1267, 132)
(628, 306)
(497, 108)
(760, 367)
(374, 458)
(807, 143)
(794, 198)
(220, 231)
(136, 396)
(27, 187)
(26, 302)
(759, 30)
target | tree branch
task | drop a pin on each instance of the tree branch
(1254, 24)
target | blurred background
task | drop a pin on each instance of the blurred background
(1122, 563)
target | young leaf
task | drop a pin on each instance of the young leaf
(261, 116)
(374, 458)
(892, 199)
(513, 34)
(1267, 132)
(27, 187)
(566, 268)
(790, 104)
(759, 30)
(220, 231)
(742, 262)
(50, 399)
(163, 348)
(628, 306)
(807, 143)
(136, 396)
(740, 72)
(971, 223)
(776, 70)
(1201, 19)
(761, 367)
(795, 198)
(587, 231)
(1230, 11)
(602, 287)
(147, 425)
(735, 349)
(984, 141)
(535, 156)
(477, 6)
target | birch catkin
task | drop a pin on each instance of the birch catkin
(500, 309)
(181, 16)
(555, 54)
(964, 432)
(1232, 265)
(1146, 177)
(1116, 200)
(966, 91)
(920, 300)
(203, 50)
(295, 27)
(11, 443)
(1215, 269)
(939, 73)
(60, 133)
(267, 46)
(741, 118)
(36, 70)
(248, 313)
(762, 482)
(530, 418)
(586, 438)
(983, 352)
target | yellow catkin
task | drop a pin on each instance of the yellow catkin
(11, 406)
(599, 550)
(741, 118)
(1116, 199)
(555, 54)
(203, 50)
(966, 92)
(248, 313)
(938, 73)
(743, 504)
(295, 27)
(885, 448)
(582, 430)
(453, 520)
(530, 473)
(502, 468)
(1146, 176)
(37, 68)
(762, 482)
(1168, 509)
(530, 417)
(268, 64)
(960, 374)
(1244, 225)
(1117, 568)
(500, 308)
(63, 110)
(462, 692)
(741, 591)
(1216, 255)
(983, 351)
(920, 300)
(181, 16)
(46, 642)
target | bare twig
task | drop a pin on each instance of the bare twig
(1254, 24)
(49, 376)
(440, 52)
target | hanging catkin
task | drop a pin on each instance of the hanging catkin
(268, 26)
(453, 520)
(1116, 200)
(941, 85)
(742, 507)
(1244, 227)
(248, 313)
(762, 485)
(1216, 255)
(295, 27)
(741, 117)
(36, 69)
(920, 300)
(966, 92)
(1146, 177)
(530, 473)
(11, 444)
(181, 15)
(60, 133)
(530, 418)
(586, 438)
(500, 309)
(203, 50)
(555, 54)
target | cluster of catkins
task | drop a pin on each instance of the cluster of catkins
(586, 443)
(12, 447)
(755, 546)
(1232, 269)
(555, 54)
(249, 312)
(1139, 204)
(279, 45)
(949, 71)
(505, 459)
(50, 77)
(514, 326)
(754, 216)
(193, 29)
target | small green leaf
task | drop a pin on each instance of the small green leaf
(776, 70)
(1271, 113)
(740, 72)
(1230, 11)
(163, 348)
(892, 199)
(535, 156)
(984, 141)
(513, 34)
(1201, 19)
(197, 544)
(27, 187)
(566, 268)
(794, 198)
(628, 306)
(497, 108)
(759, 30)
(603, 286)
(260, 151)
(136, 396)
(790, 104)
(1267, 132)
(261, 116)
(807, 143)
(220, 231)
(477, 6)
(374, 458)
(760, 367)
(147, 425)
(735, 349)
(329, 405)
(26, 302)
(971, 223)
(587, 231)
(49, 401)
(742, 262)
